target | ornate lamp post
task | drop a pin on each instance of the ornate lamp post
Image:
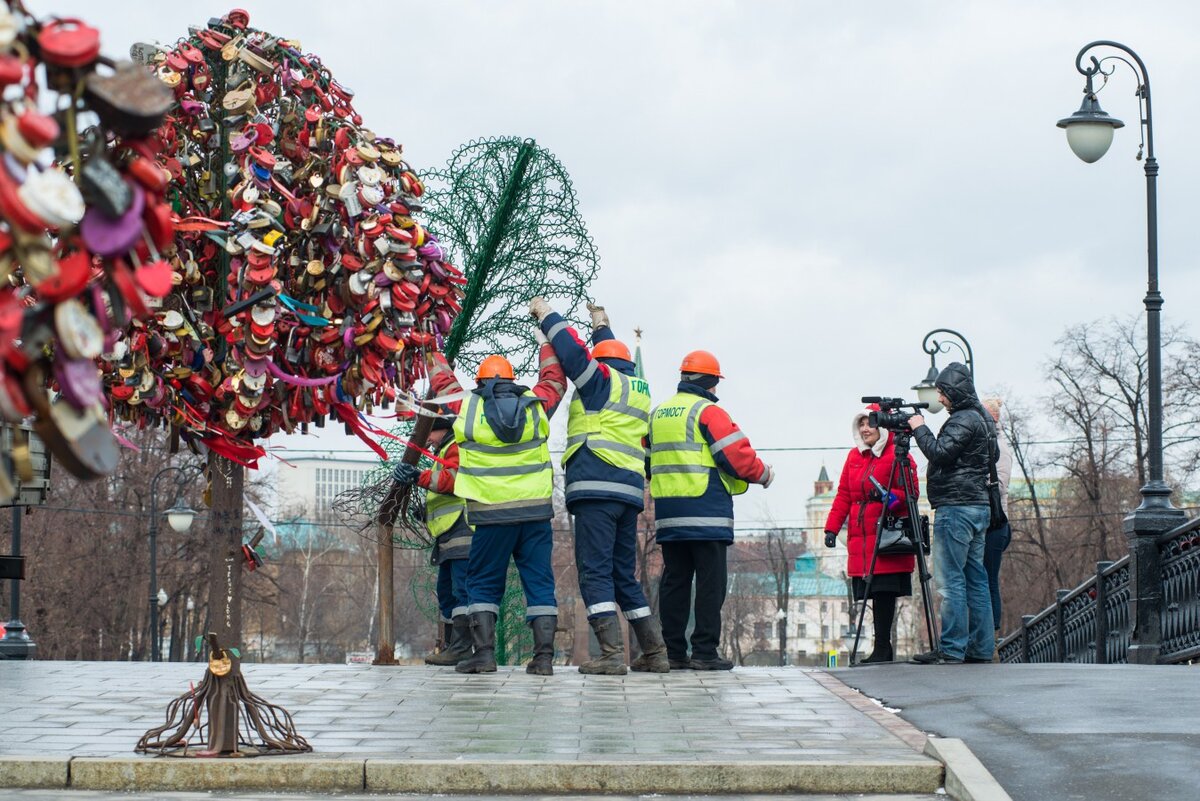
(179, 518)
(926, 391)
(1089, 133)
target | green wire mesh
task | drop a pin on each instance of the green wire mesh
(506, 211)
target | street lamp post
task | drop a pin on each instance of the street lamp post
(179, 517)
(1089, 134)
(781, 625)
(926, 388)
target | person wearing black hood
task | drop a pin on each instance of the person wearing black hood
(956, 483)
(606, 486)
(506, 478)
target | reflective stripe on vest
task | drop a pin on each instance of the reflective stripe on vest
(492, 472)
(680, 459)
(441, 511)
(614, 432)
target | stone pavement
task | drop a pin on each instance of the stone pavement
(1063, 732)
(412, 728)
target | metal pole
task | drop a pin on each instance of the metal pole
(154, 643)
(1155, 515)
(16, 643)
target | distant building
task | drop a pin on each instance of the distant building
(306, 486)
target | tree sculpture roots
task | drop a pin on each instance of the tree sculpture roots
(222, 718)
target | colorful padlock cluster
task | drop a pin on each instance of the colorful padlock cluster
(307, 287)
(84, 221)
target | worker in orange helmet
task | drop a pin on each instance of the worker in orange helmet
(699, 459)
(507, 480)
(605, 463)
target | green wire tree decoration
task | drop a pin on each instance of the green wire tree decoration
(505, 209)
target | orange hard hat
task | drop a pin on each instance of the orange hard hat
(611, 349)
(701, 361)
(494, 367)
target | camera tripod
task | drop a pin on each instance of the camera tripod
(907, 482)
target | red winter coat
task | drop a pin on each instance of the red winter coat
(852, 505)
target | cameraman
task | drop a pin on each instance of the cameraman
(957, 487)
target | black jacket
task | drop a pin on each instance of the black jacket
(960, 456)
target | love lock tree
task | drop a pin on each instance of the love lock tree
(302, 288)
(506, 210)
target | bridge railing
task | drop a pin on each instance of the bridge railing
(1090, 624)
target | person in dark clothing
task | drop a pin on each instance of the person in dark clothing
(605, 486)
(956, 484)
(699, 459)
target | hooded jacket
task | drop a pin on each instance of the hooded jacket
(960, 455)
(855, 506)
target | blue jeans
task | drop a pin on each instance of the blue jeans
(452, 588)
(958, 539)
(606, 558)
(995, 544)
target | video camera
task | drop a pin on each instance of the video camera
(889, 416)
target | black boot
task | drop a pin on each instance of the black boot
(654, 650)
(483, 637)
(458, 646)
(883, 610)
(542, 663)
(611, 661)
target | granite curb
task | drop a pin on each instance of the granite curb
(966, 777)
(281, 774)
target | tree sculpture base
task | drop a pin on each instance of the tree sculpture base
(222, 718)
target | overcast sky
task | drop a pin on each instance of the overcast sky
(804, 189)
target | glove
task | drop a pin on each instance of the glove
(770, 476)
(539, 309)
(874, 495)
(540, 336)
(830, 539)
(599, 316)
(405, 473)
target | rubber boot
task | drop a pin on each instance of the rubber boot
(459, 646)
(542, 663)
(483, 637)
(611, 661)
(654, 651)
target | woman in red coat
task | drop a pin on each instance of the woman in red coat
(858, 504)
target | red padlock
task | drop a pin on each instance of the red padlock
(69, 42)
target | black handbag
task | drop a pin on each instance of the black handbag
(998, 517)
(895, 537)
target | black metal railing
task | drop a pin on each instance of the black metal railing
(1090, 624)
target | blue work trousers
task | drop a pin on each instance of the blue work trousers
(606, 558)
(958, 539)
(529, 545)
(452, 588)
(995, 543)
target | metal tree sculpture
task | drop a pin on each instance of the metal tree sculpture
(303, 288)
(505, 209)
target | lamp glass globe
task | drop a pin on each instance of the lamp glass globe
(1089, 140)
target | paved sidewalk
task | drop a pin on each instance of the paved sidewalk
(782, 726)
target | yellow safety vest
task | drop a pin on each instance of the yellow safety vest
(504, 482)
(614, 432)
(680, 460)
(441, 511)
